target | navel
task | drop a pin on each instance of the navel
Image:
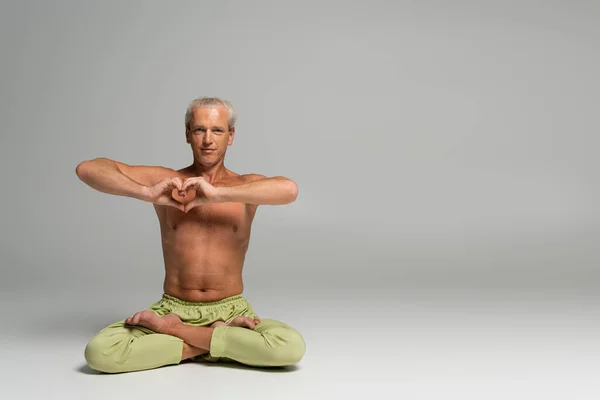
(235, 228)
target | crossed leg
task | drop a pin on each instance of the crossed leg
(196, 339)
(147, 340)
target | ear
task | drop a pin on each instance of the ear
(231, 135)
(187, 136)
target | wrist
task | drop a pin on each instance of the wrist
(168, 330)
(143, 193)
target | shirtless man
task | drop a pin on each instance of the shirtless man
(205, 213)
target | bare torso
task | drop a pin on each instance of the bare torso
(204, 250)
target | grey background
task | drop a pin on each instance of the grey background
(445, 237)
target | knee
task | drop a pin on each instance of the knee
(294, 350)
(291, 348)
(98, 357)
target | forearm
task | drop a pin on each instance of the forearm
(267, 191)
(105, 176)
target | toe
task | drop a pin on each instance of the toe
(135, 319)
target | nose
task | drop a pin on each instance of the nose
(207, 137)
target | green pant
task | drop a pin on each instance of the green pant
(120, 348)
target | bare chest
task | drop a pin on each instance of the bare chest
(218, 221)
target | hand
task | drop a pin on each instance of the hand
(205, 192)
(161, 192)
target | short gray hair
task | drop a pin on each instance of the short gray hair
(210, 102)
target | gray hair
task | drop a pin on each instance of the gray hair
(210, 102)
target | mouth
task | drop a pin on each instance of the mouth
(208, 150)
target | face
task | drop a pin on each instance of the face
(209, 134)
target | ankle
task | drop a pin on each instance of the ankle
(189, 351)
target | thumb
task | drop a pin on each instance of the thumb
(176, 204)
(190, 205)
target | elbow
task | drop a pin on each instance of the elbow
(287, 190)
(82, 170)
(85, 168)
(292, 191)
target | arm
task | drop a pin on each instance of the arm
(258, 190)
(113, 177)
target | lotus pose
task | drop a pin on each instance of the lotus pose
(205, 213)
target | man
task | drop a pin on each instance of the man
(205, 213)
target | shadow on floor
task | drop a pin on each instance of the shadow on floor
(85, 369)
(235, 365)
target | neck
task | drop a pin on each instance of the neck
(210, 173)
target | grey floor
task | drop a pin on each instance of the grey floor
(451, 341)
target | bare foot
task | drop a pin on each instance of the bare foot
(149, 320)
(242, 322)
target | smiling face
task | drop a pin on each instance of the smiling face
(209, 135)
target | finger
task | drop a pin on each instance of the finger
(177, 183)
(166, 185)
(189, 183)
(172, 182)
